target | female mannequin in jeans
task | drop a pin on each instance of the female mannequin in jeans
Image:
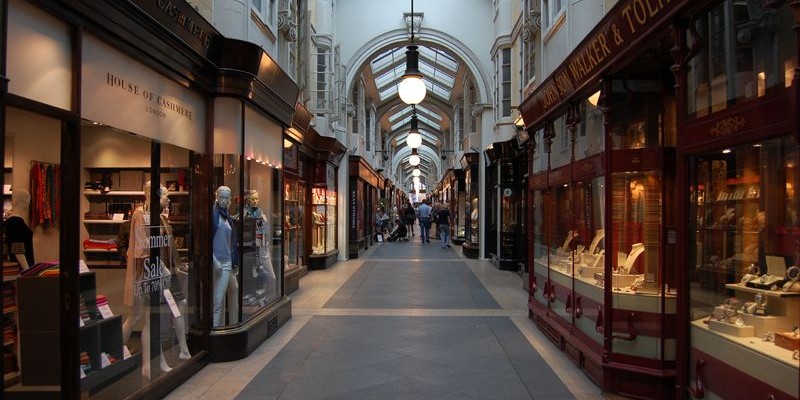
(224, 259)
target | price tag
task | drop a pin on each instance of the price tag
(172, 305)
(104, 361)
(83, 374)
(82, 267)
(126, 353)
(118, 217)
(105, 311)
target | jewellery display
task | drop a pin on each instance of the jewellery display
(750, 273)
(769, 337)
(796, 355)
(761, 304)
(792, 275)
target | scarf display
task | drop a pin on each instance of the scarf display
(45, 188)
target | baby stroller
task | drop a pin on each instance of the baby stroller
(399, 234)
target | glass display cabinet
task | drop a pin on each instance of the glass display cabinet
(294, 257)
(745, 293)
(594, 289)
(470, 164)
(322, 237)
(460, 214)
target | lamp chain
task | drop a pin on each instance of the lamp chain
(412, 21)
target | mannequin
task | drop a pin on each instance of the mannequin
(256, 231)
(138, 256)
(224, 258)
(18, 235)
(319, 232)
(474, 220)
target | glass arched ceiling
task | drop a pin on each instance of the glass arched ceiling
(424, 115)
(438, 67)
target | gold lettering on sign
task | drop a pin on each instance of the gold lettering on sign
(639, 12)
(727, 126)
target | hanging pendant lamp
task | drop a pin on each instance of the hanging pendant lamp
(414, 138)
(413, 160)
(412, 88)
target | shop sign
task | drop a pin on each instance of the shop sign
(119, 91)
(181, 19)
(353, 209)
(626, 23)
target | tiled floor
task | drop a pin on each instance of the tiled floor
(405, 321)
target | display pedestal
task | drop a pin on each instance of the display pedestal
(322, 261)
(235, 343)
(471, 250)
(354, 247)
(291, 278)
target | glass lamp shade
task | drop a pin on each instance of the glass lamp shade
(416, 180)
(416, 172)
(412, 89)
(413, 160)
(414, 140)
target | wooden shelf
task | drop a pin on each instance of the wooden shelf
(103, 221)
(100, 251)
(10, 278)
(128, 193)
(769, 293)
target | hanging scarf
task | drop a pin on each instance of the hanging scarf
(222, 212)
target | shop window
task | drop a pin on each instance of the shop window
(747, 51)
(321, 92)
(139, 242)
(744, 241)
(505, 106)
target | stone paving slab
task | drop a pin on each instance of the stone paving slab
(377, 358)
(437, 284)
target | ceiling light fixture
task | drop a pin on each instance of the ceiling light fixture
(416, 172)
(412, 88)
(413, 160)
(414, 138)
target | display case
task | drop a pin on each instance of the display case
(294, 256)
(323, 236)
(323, 205)
(470, 165)
(594, 289)
(460, 214)
(744, 288)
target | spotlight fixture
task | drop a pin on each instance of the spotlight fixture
(413, 160)
(414, 139)
(412, 88)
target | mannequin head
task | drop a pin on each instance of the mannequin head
(252, 198)
(224, 197)
(163, 199)
(20, 203)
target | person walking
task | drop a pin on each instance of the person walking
(410, 215)
(443, 220)
(424, 215)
